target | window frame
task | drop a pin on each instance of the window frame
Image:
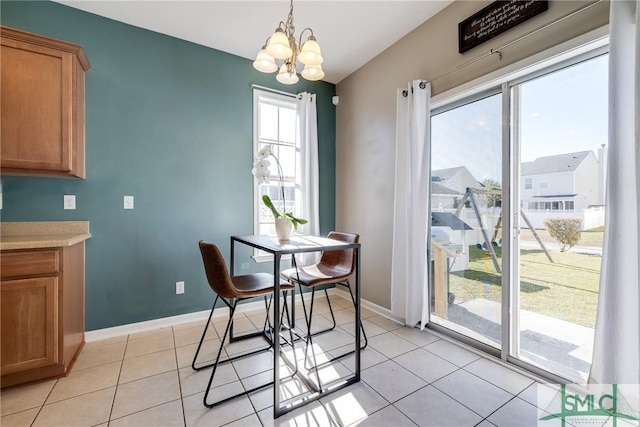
(280, 100)
(572, 52)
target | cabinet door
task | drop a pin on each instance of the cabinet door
(36, 107)
(29, 319)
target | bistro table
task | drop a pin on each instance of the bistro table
(297, 245)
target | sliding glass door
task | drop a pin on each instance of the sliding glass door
(560, 125)
(517, 215)
(466, 186)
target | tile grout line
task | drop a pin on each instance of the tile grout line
(497, 409)
(175, 354)
(480, 415)
(43, 403)
(115, 392)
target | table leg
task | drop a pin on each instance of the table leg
(276, 335)
(358, 321)
(231, 273)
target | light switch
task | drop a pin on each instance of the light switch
(128, 202)
(69, 201)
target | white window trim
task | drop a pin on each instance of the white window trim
(277, 98)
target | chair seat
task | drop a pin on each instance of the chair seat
(256, 285)
(315, 275)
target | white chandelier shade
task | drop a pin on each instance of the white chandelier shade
(286, 76)
(265, 62)
(282, 46)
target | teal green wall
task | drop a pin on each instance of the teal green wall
(169, 122)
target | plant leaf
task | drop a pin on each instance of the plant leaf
(268, 203)
(295, 221)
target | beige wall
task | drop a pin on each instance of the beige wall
(366, 114)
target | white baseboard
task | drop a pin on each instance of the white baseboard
(164, 322)
(221, 312)
(385, 312)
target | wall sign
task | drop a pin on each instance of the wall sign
(495, 19)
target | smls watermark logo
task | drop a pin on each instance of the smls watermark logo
(601, 405)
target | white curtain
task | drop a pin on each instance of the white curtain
(409, 269)
(307, 134)
(616, 356)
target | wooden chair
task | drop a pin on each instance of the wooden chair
(232, 290)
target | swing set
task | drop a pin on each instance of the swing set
(487, 245)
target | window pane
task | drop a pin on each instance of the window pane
(562, 127)
(465, 211)
(268, 128)
(287, 156)
(287, 125)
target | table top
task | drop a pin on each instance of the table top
(296, 244)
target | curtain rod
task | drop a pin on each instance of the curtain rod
(498, 50)
(268, 89)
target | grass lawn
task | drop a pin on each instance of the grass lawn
(587, 238)
(566, 289)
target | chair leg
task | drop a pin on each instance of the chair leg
(310, 339)
(308, 318)
(333, 318)
(195, 357)
(285, 310)
(232, 309)
(353, 299)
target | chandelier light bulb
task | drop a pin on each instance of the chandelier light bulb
(310, 53)
(285, 77)
(265, 62)
(278, 45)
(312, 72)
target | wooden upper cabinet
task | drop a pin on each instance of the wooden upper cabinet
(42, 83)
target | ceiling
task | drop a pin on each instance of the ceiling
(350, 33)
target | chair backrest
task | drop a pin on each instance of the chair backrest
(341, 260)
(216, 270)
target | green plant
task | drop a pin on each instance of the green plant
(263, 174)
(276, 214)
(564, 230)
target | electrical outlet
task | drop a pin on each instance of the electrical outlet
(69, 201)
(128, 202)
(179, 288)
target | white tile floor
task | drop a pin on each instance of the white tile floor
(409, 378)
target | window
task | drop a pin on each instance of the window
(543, 184)
(274, 122)
(528, 183)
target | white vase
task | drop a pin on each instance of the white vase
(283, 229)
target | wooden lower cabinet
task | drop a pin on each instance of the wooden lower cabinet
(29, 323)
(42, 317)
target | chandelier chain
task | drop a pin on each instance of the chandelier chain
(289, 28)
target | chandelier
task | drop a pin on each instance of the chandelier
(282, 45)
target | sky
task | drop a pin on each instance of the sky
(562, 112)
